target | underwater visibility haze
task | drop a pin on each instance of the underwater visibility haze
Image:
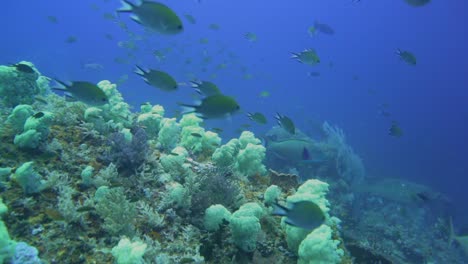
(210, 131)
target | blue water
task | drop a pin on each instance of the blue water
(428, 100)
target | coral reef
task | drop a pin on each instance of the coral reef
(102, 184)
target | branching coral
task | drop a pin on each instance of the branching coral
(349, 165)
(213, 185)
(118, 213)
(127, 154)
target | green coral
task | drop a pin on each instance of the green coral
(18, 87)
(271, 194)
(320, 248)
(174, 162)
(314, 191)
(214, 216)
(245, 226)
(35, 131)
(168, 135)
(195, 138)
(28, 178)
(245, 155)
(7, 245)
(118, 213)
(127, 252)
(150, 118)
(115, 114)
(18, 117)
(225, 156)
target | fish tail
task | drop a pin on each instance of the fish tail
(278, 118)
(127, 6)
(139, 70)
(61, 83)
(195, 83)
(59, 89)
(294, 55)
(187, 108)
(279, 210)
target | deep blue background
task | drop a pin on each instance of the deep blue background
(429, 100)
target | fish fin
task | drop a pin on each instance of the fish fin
(61, 83)
(140, 71)
(60, 89)
(187, 108)
(294, 55)
(136, 19)
(195, 83)
(199, 92)
(146, 81)
(127, 6)
(279, 210)
(398, 52)
(70, 98)
(278, 116)
(289, 222)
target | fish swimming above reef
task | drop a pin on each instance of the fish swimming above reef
(264, 94)
(313, 74)
(190, 19)
(92, 66)
(252, 37)
(303, 214)
(215, 106)
(158, 79)
(85, 92)
(417, 3)
(307, 56)
(395, 130)
(205, 88)
(213, 26)
(154, 15)
(311, 31)
(406, 56)
(324, 28)
(71, 39)
(52, 19)
(257, 117)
